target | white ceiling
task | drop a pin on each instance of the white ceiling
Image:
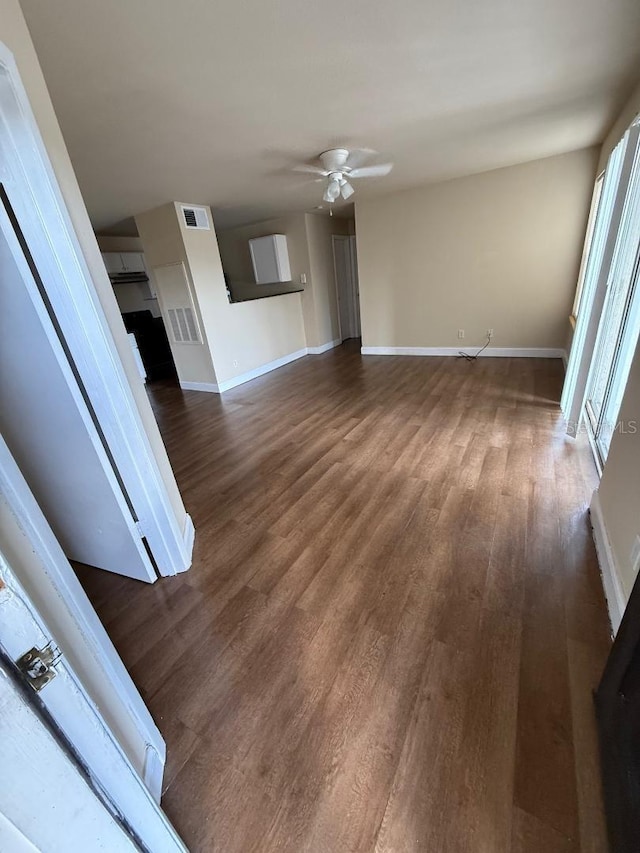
(211, 101)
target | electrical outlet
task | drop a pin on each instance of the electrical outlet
(489, 333)
(461, 333)
(235, 362)
(303, 278)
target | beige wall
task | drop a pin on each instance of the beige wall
(163, 244)
(130, 297)
(620, 485)
(627, 114)
(233, 245)
(133, 297)
(239, 337)
(15, 36)
(497, 250)
(236, 258)
(111, 243)
(310, 254)
(323, 282)
(243, 335)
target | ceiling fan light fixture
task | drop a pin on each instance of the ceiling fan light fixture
(332, 191)
(338, 166)
(329, 194)
(346, 190)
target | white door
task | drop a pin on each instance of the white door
(50, 428)
(345, 267)
(52, 638)
(49, 805)
(29, 187)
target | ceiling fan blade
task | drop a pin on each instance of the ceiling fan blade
(371, 171)
(358, 156)
(310, 170)
(301, 184)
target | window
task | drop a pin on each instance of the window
(593, 212)
(619, 325)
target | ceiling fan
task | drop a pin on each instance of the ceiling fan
(339, 166)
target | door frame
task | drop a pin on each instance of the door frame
(38, 204)
(355, 284)
(353, 300)
(49, 795)
(89, 645)
(76, 711)
(610, 700)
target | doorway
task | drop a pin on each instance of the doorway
(345, 262)
(137, 298)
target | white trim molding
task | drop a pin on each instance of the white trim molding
(613, 590)
(188, 536)
(211, 387)
(323, 347)
(221, 387)
(490, 352)
(260, 371)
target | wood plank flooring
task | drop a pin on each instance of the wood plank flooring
(394, 621)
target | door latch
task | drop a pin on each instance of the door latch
(37, 665)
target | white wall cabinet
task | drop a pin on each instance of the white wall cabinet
(119, 262)
(270, 259)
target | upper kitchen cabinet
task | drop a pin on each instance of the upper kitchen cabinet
(123, 262)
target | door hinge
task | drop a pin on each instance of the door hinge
(37, 665)
(140, 530)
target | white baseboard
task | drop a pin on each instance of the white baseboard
(616, 600)
(153, 771)
(324, 347)
(211, 387)
(490, 352)
(188, 538)
(260, 371)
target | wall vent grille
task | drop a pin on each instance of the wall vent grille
(196, 217)
(183, 326)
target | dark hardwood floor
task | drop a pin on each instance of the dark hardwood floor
(393, 624)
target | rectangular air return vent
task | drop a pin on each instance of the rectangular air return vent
(195, 217)
(183, 326)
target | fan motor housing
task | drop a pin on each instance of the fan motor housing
(334, 159)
